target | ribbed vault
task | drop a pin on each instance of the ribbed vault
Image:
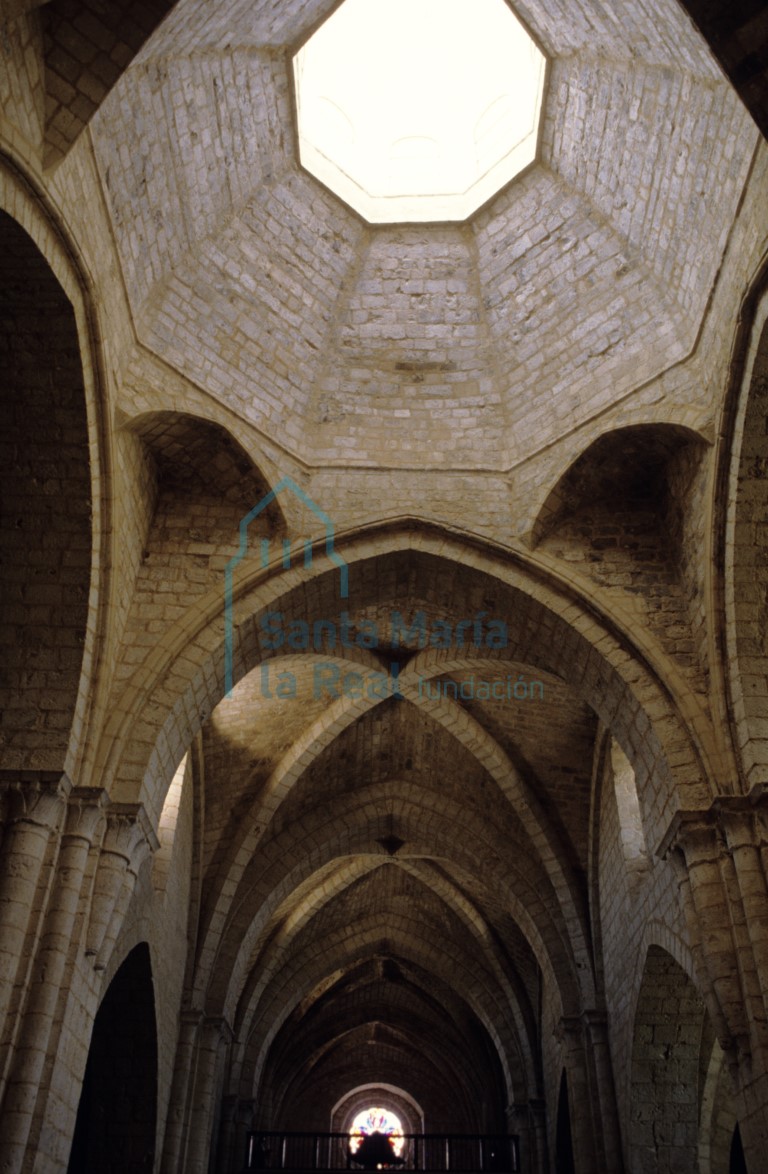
(439, 342)
(336, 893)
(405, 583)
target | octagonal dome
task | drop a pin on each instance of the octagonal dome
(418, 110)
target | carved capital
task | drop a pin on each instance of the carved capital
(127, 842)
(85, 813)
(244, 1112)
(219, 1026)
(568, 1028)
(694, 837)
(731, 821)
(34, 797)
(129, 834)
(229, 1105)
(737, 819)
(191, 1017)
(595, 1025)
(537, 1110)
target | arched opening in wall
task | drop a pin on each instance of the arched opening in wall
(630, 512)
(672, 1045)
(737, 1162)
(45, 526)
(356, 1106)
(628, 805)
(396, 1099)
(166, 831)
(197, 485)
(719, 1121)
(200, 483)
(367, 1028)
(564, 1162)
(746, 588)
(376, 1119)
(116, 1117)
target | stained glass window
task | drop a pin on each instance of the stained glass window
(375, 1120)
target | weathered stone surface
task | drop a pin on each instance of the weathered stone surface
(383, 627)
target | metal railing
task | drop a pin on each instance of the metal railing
(448, 1152)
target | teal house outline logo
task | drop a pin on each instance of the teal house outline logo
(264, 543)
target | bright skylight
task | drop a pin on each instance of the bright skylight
(415, 110)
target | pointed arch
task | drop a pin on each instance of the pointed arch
(117, 1114)
(65, 462)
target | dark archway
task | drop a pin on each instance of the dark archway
(45, 487)
(116, 1118)
(564, 1163)
(746, 582)
(671, 1047)
(738, 1163)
